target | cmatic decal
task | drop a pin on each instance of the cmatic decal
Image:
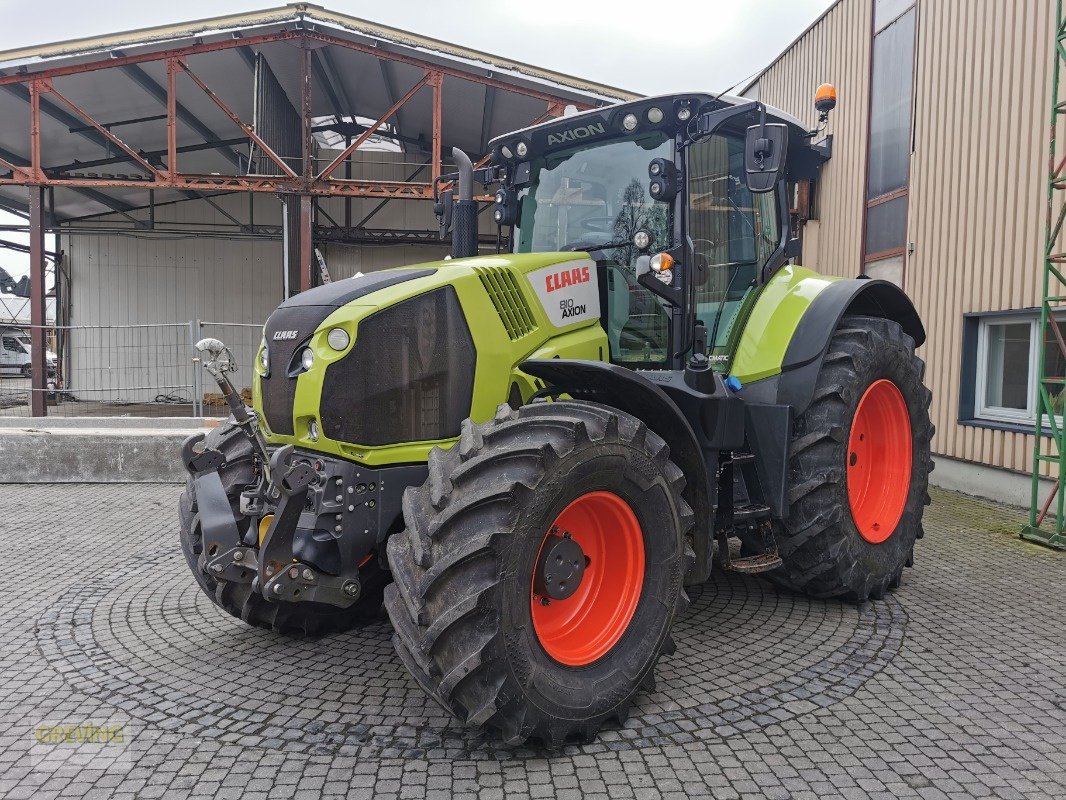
(568, 291)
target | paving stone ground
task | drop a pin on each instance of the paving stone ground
(120, 679)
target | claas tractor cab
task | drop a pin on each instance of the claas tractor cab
(528, 455)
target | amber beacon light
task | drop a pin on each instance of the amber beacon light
(825, 100)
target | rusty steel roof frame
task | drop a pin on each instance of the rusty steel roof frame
(40, 83)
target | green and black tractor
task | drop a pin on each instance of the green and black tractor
(527, 456)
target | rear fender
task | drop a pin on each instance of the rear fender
(634, 394)
(810, 342)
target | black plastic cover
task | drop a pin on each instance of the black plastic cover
(295, 320)
(293, 326)
(408, 378)
(338, 293)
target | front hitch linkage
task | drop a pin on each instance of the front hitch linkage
(282, 577)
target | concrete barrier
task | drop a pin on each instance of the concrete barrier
(95, 450)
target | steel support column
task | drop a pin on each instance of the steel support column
(306, 136)
(38, 341)
(436, 80)
(306, 246)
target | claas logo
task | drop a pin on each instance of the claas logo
(568, 277)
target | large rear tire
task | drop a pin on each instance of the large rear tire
(238, 599)
(859, 467)
(472, 623)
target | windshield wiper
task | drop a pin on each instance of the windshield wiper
(588, 246)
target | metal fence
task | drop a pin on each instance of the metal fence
(125, 370)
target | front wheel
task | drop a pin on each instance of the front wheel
(859, 467)
(541, 569)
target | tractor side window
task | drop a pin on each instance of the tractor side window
(733, 233)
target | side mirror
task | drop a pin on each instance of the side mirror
(765, 149)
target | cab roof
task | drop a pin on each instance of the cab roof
(696, 102)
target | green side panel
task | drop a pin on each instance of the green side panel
(507, 322)
(782, 303)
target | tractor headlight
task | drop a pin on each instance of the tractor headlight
(655, 115)
(521, 148)
(505, 151)
(307, 358)
(684, 113)
(629, 122)
(264, 358)
(338, 339)
(312, 431)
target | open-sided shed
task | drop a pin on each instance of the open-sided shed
(158, 156)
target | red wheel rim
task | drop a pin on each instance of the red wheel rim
(879, 461)
(585, 626)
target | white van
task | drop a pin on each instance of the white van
(15, 353)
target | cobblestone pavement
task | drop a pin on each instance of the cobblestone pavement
(952, 687)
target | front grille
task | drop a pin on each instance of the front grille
(508, 300)
(408, 378)
(299, 316)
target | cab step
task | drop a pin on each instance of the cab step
(750, 565)
(750, 513)
(742, 459)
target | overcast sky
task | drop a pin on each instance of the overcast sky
(645, 47)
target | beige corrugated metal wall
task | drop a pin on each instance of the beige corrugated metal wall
(977, 187)
(834, 51)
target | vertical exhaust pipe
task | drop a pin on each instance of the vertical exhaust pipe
(464, 221)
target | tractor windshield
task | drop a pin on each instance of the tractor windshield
(593, 199)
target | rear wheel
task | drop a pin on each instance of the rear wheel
(238, 599)
(859, 467)
(541, 570)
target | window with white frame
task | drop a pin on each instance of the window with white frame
(1007, 361)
